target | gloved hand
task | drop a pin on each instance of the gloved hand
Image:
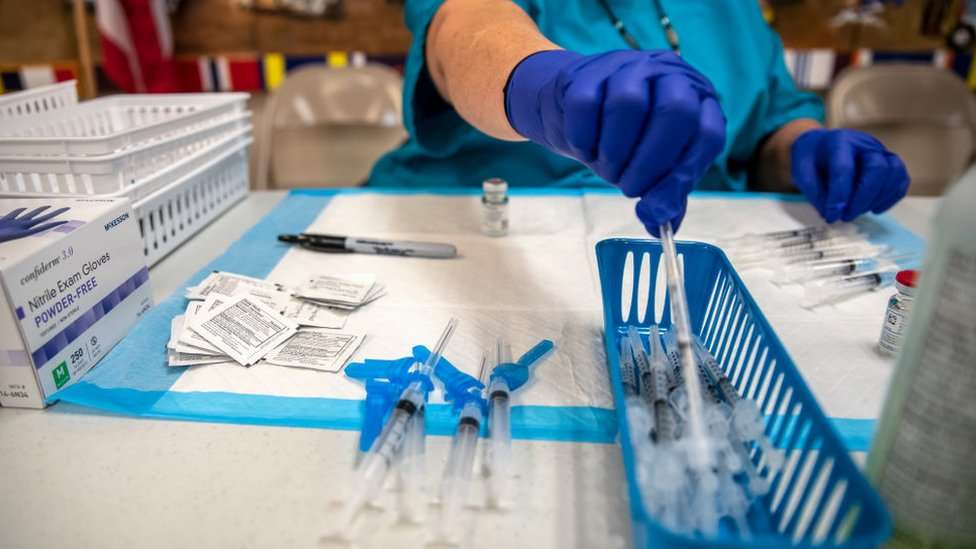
(13, 227)
(845, 173)
(645, 121)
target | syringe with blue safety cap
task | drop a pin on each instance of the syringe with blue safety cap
(460, 462)
(506, 376)
(385, 380)
(457, 386)
(377, 462)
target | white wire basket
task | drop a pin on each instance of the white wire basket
(175, 212)
(108, 125)
(182, 159)
(42, 99)
(115, 172)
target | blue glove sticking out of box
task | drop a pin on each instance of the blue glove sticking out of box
(13, 227)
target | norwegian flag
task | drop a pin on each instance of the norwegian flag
(137, 44)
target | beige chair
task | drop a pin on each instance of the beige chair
(325, 127)
(925, 114)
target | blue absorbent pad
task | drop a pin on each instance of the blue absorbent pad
(135, 380)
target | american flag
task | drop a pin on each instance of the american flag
(137, 44)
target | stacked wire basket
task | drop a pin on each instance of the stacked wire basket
(181, 159)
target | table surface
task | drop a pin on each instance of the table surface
(77, 477)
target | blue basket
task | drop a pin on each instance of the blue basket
(820, 498)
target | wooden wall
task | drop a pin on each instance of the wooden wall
(34, 31)
(37, 31)
(805, 24)
(211, 26)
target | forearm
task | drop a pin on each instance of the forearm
(774, 160)
(472, 47)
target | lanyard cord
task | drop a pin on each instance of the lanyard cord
(669, 32)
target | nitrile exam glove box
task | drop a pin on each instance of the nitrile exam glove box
(70, 293)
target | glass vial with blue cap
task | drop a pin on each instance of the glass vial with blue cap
(494, 207)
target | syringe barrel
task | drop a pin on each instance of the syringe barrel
(391, 438)
(461, 458)
(816, 271)
(499, 425)
(457, 473)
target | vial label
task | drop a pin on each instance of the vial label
(495, 219)
(893, 330)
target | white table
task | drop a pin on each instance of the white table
(74, 478)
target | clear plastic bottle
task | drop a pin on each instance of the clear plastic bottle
(896, 316)
(922, 456)
(494, 207)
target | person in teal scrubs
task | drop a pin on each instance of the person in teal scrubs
(584, 92)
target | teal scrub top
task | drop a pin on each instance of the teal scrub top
(727, 40)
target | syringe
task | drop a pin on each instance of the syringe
(498, 454)
(506, 376)
(671, 351)
(836, 290)
(801, 256)
(716, 376)
(376, 464)
(811, 241)
(794, 235)
(837, 267)
(787, 249)
(654, 384)
(747, 422)
(460, 462)
(699, 450)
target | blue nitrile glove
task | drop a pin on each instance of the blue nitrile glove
(13, 227)
(845, 173)
(645, 121)
(517, 374)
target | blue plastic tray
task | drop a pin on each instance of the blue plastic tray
(820, 498)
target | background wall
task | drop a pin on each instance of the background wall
(36, 31)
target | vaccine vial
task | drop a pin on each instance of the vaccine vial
(896, 317)
(494, 207)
